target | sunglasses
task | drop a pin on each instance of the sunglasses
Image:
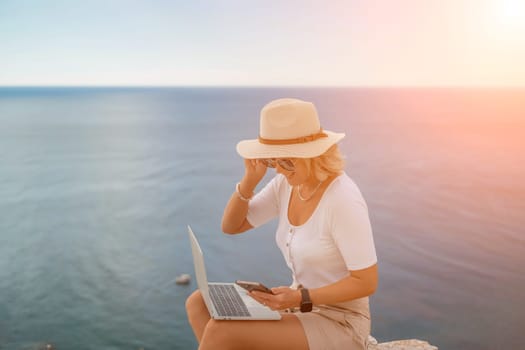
(286, 164)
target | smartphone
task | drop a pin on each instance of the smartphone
(251, 286)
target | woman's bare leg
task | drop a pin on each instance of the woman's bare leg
(197, 313)
(286, 334)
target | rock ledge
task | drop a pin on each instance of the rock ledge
(408, 344)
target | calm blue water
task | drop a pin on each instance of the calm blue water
(97, 187)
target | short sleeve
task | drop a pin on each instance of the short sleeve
(264, 206)
(351, 229)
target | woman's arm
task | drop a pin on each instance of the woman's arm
(359, 284)
(234, 217)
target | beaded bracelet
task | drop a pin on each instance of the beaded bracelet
(241, 197)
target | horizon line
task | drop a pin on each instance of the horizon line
(138, 86)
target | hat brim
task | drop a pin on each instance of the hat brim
(253, 149)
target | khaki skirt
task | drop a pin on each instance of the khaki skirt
(339, 326)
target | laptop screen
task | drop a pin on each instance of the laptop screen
(198, 263)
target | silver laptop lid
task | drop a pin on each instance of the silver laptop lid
(257, 311)
(200, 269)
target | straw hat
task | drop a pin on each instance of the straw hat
(289, 128)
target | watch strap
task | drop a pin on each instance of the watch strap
(306, 302)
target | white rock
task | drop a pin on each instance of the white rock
(408, 344)
(183, 279)
(372, 340)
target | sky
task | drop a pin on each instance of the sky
(262, 43)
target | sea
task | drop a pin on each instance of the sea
(98, 185)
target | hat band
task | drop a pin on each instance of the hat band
(302, 139)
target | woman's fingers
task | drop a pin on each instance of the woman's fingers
(248, 163)
(275, 302)
(259, 297)
(255, 169)
(281, 289)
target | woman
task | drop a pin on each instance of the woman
(324, 234)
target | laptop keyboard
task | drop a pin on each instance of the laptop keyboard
(227, 300)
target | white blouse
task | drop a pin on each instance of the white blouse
(336, 238)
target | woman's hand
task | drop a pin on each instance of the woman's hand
(254, 171)
(282, 298)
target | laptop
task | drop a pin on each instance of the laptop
(226, 301)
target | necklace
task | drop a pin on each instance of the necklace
(311, 194)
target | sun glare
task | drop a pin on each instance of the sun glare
(504, 24)
(511, 13)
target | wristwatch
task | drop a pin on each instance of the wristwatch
(306, 302)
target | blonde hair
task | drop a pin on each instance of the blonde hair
(330, 163)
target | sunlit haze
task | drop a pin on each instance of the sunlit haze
(320, 43)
